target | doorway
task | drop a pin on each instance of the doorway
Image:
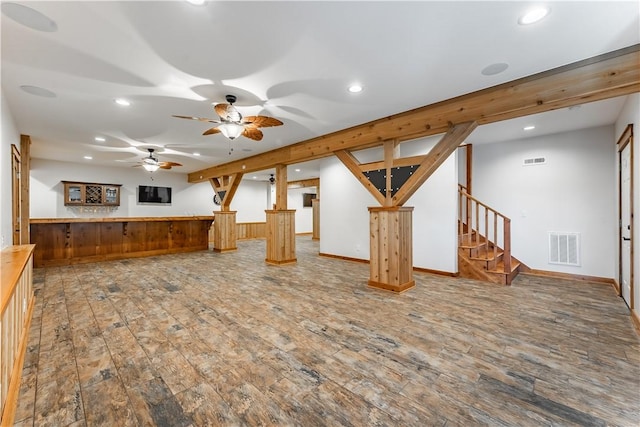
(625, 201)
(15, 194)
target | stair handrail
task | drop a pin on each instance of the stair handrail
(468, 202)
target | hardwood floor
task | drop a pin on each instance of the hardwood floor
(223, 339)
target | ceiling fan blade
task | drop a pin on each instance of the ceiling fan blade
(168, 165)
(201, 119)
(252, 133)
(262, 121)
(221, 110)
(211, 131)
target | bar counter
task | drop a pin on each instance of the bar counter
(64, 241)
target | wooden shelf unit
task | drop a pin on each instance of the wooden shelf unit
(91, 194)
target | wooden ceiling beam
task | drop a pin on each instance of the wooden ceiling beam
(602, 77)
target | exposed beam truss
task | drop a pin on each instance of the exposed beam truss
(602, 77)
(225, 187)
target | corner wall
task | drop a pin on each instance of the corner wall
(574, 191)
(10, 135)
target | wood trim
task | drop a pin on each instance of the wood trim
(302, 183)
(577, 277)
(436, 272)
(397, 289)
(469, 167)
(121, 219)
(635, 318)
(366, 261)
(616, 287)
(602, 77)
(626, 139)
(16, 196)
(344, 258)
(25, 172)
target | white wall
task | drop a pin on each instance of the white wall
(304, 215)
(250, 201)
(344, 217)
(10, 136)
(631, 114)
(47, 191)
(573, 192)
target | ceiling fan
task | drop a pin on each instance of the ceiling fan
(232, 124)
(152, 164)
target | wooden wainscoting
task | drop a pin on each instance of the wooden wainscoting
(251, 230)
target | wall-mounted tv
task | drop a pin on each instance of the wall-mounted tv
(154, 195)
(306, 199)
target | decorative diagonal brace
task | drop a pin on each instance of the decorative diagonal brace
(226, 187)
(438, 154)
(354, 167)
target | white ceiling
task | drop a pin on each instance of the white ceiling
(291, 59)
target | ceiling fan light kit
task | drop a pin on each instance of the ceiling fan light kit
(152, 164)
(232, 124)
(231, 130)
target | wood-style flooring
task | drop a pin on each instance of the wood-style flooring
(215, 339)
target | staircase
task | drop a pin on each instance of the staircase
(484, 242)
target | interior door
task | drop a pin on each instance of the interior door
(15, 193)
(626, 225)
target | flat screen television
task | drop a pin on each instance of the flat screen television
(154, 195)
(306, 199)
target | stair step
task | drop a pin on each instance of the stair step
(499, 269)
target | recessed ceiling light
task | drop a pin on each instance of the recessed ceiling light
(255, 177)
(355, 88)
(534, 15)
(297, 170)
(123, 102)
(88, 157)
(196, 2)
(100, 139)
(530, 127)
(28, 17)
(493, 69)
(38, 91)
(196, 154)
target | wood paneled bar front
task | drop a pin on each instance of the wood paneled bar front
(64, 241)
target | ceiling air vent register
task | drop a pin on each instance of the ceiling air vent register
(532, 161)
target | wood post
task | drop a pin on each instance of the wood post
(281, 236)
(315, 203)
(391, 248)
(224, 231)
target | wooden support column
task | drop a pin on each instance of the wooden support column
(224, 231)
(281, 237)
(25, 172)
(315, 205)
(391, 248)
(281, 224)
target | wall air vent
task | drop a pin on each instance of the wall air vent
(534, 161)
(564, 248)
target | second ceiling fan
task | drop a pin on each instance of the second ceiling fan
(232, 124)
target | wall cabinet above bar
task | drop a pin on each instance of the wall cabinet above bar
(91, 194)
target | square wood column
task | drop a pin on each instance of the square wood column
(391, 248)
(224, 231)
(281, 236)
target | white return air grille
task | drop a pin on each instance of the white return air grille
(534, 161)
(564, 248)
